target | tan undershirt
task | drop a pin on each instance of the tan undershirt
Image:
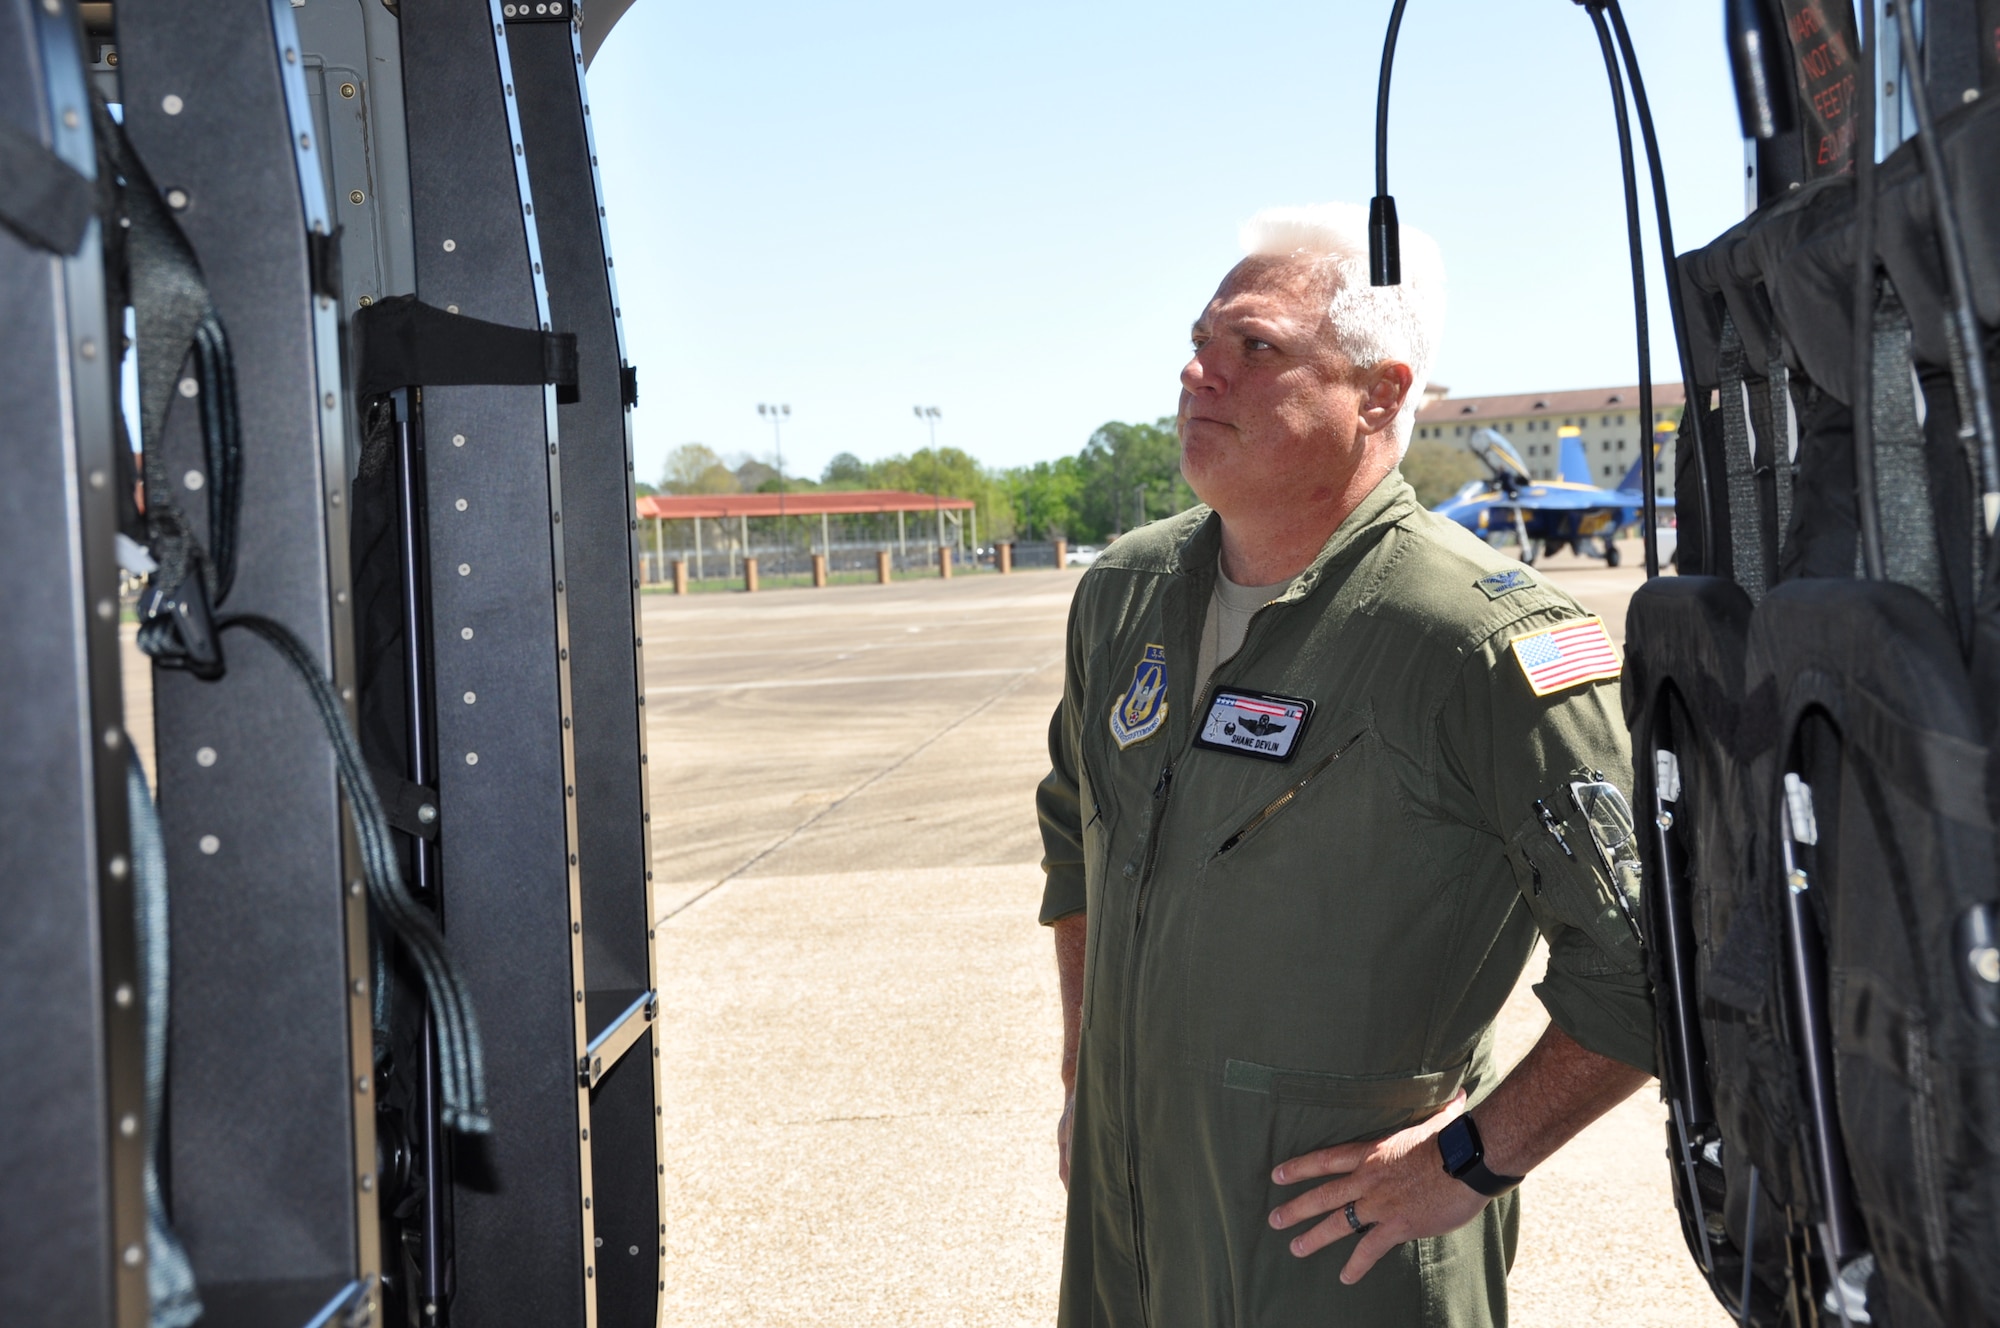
(1229, 612)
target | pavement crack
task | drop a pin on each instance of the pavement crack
(1020, 680)
(914, 1115)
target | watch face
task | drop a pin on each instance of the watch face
(1455, 1142)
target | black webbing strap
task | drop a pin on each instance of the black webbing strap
(43, 199)
(462, 1062)
(1963, 399)
(403, 342)
(178, 329)
(1782, 454)
(410, 806)
(169, 1277)
(323, 262)
(1902, 471)
(1748, 540)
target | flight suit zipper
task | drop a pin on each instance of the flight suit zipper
(1162, 792)
(1284, 799)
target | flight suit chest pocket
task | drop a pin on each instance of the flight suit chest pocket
(1295, 947)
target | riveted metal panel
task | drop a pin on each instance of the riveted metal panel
(605, 648)
(270, 1162)
(71, 1067)
(523, 1240)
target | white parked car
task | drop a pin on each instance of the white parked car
(1083, 555)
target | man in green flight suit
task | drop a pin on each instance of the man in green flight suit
(1324, 767)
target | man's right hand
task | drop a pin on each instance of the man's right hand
(1064, 1129)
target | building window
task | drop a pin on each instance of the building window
(1621, 420)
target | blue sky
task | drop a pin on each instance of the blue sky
(1012, 212)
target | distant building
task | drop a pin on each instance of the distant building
(1607, 418)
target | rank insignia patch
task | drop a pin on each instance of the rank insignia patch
(1503, 583)
(1255, 724)
(1568, 653)
(1138, 714)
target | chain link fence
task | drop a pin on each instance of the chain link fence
(712, 550)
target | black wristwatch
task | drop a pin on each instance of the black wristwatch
(1465, 1159)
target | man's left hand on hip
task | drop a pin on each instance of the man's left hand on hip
(1398, 1187)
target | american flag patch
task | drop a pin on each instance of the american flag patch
(1567, 654)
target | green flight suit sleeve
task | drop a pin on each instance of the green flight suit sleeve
(1058, 801)
(1509, 750)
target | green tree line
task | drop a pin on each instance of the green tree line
(1124, 476)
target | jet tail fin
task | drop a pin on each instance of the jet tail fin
(1575, 461)
(1632, 478)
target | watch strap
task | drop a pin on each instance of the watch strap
(1489, 1183)
(1474, 1171)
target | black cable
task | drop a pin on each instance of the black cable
(1385, 246)
(1635, 241)
(222, 447)
(1868, 515)
(1670, 264)
(463, 1061)
(1965, 319)
(1385, 258)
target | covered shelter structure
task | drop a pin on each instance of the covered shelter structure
(713, 533)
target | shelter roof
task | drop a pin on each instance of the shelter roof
(680, 506)
(1452, 410)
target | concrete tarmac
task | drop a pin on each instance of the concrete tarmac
(860, 1026)
(860, 1023)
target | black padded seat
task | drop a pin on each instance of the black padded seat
(1731, 1075)
(1874, 710)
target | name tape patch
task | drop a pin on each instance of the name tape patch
(1254, 724)
(1566, 654)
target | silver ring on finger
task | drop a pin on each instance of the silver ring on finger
(1352, 1220)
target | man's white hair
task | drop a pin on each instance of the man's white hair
(1374, 323)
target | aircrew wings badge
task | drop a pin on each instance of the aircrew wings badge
(1138, 714)
(1566, 654)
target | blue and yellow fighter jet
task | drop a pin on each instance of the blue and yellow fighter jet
(1545, 516)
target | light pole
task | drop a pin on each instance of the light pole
(929, 415)
(778, 415)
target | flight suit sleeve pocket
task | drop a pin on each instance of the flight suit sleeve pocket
(1574, 858)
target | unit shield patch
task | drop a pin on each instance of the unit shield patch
(1566, 654)
(1254, 724)
(1138, 714)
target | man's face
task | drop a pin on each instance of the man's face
(1271, 412)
